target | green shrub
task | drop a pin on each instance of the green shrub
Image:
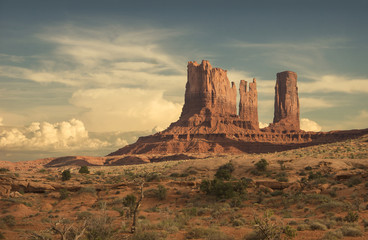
(333, 235)
(66, 175)
(90, 190)
(206, 233)
(351, 217)
(99, 227)
(146, 235)
(351, 231)
(84, 215)
(161, 192)
(152, 177)
(354, 181)
(318, 226)
(64, 194)
(224, 190)
(9, 220)
(2, 235)
(84, 170)
(261, 165)
(4, 170)
(224, 172)
(129, 201)
(289, 231)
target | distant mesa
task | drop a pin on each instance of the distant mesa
(210, 122)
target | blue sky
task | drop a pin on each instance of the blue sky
(87, 77)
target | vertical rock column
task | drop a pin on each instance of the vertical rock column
(248, 105)
(208, 90)
(286, 115)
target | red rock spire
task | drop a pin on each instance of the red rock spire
(248, 105)
(286, 116)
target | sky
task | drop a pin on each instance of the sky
(88, 77)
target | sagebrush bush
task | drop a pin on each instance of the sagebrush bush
(161, 192)
(351, 231)
(9, 220)
(333, 235)
(64, 194)
(224, 190)
(66, 175)
(224, 172)
(261, 165)
(84, 170)
(317, 226)
(351, 217)
(129, 201)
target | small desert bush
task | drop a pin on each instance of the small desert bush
(90, 190)
(317, 226)
(332, 205)
(261, 165)
(64, 194)
(354, 181)
(351, 231)
(129, 201)
(9, 220)
(84, 170)
(224, 172)
(146, 235)
(2, 235)
(333, 235)
(224, 190)
(268, 228)
(66, 175)
(161, 192)
(206, 233)
(351, 217)
(152, 177)
(4, 170)
(100, 227)
(84, 215)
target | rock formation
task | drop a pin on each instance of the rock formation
(286, 116)
(248, 105)
(209, 123)
(208, 89)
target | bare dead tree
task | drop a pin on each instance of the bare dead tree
(132, 229)
(68, 231)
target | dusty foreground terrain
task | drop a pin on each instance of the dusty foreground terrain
(319, 192)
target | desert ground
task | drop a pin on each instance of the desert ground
(318, 192)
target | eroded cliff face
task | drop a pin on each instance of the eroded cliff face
(208, 92)
(286, 114)
(248, 104)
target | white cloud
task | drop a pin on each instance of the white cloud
(67, 135)
(107, 56)
(263, 125)
(309, 125)
(125, 109)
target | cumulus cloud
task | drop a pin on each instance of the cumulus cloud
(263, 125)
(66, 135)
(125, 109)
(309, 125)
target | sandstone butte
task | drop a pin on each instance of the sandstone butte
(209, 121)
